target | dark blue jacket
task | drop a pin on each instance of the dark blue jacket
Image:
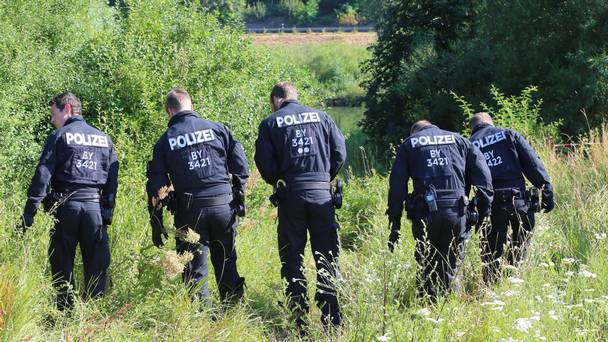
(299, 144)
(509, 157)
(197, 156)
(444, 159)
(75, 155)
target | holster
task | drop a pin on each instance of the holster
(279, 193)
(533, 198)
(49, 201)
(506, 195)
(472, 213)
(336, 194)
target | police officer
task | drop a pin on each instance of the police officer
(80, 165)
(509, 157)
(299, 151)
(208, 169)
(442, 165)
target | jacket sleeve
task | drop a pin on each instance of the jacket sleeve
(42, 177)
(157, 172)
(237, 161)
(337, 147)
(532, 167)
(478, 174)
(398, 179)
(265, 155)
(111, 186)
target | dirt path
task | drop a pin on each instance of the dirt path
(360, 38)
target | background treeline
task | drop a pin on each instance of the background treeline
(297, 12)
(430, 51)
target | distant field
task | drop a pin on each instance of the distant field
(359, 38)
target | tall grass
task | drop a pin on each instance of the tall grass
(561, 291)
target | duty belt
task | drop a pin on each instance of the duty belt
(82, 195)
(506, 194)
(187, 199)
(309, 186)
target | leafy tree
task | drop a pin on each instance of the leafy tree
(428, 48)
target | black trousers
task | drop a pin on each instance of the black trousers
(440, 238)
(216, 226)
(495, 238)
(302, 212)
(79, 223)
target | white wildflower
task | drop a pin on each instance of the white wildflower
(510, 293)
(569, 274)
(568, 261)
(436, 321)
(495, 302)
(189, 236)
(515, 281)
(543, 264)
(601, 236)
(552, 315)
(383, 338)
(587, 274)
(423, 312)
(459, 334)
(589, 290)
(523, 324)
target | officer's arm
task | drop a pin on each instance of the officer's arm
(157, 173)
(237, 161)
(532, 167)
(478, 174)
(265, 158)
(42, 177)
(111, 186)
(337, 147)
(397, 190)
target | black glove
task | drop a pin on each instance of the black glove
(158, 229)
(395, 226)
(547, 201)
(106, 215)
(27, 220)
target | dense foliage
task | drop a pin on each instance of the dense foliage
(428, 49)
(122, 65)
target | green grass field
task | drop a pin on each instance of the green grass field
(560, 293)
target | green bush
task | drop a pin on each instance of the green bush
(521, 113)
(122, 65)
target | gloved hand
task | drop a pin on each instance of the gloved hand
(27, 220)
(158, 230)
(395, 226)
(547, 201)
(106, 215)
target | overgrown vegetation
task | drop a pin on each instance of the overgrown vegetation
(426, 49)
(122, 64)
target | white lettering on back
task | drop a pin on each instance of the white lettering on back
(192, 138)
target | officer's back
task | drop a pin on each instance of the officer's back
(300, 144)
(509, 157)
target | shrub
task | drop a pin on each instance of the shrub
(347, 15)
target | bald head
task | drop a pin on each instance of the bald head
(419, 125)
(480, 119)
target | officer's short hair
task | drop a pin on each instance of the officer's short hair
(177, 98)
(480, 118)
(60, 100)
(284, 90)
(419, 125)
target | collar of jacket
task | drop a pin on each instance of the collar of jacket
(287, 102)
(73, 119)
(425, 128)
(179, 115)
(480, 126)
